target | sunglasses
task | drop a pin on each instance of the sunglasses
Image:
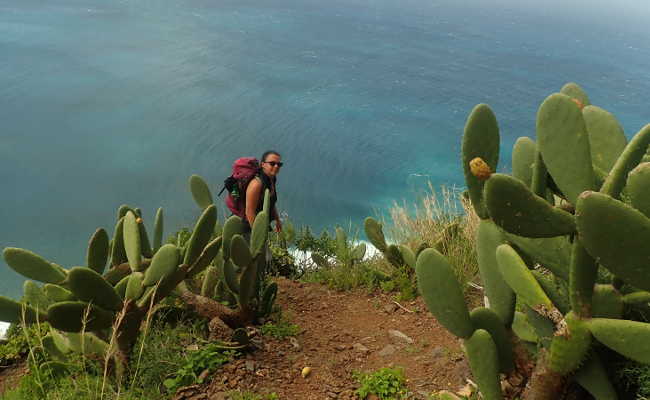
(273, 163)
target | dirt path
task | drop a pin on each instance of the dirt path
(342, 332)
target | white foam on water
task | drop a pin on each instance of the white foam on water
(3, 329)
(303, 257)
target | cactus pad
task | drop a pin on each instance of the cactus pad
(517, 210)
(132, 244)
(259, 233)
(553, 254)
(630, 158)
(523, 159)
(606, 138)
(564, 143)
(248, 281)
(69, 316)
(484, 361)
(523, 329)
(12, 311)
(97, 254)
(200, 191)
(638, 187)
(210, 251)
(607, 302)
(35, 296)
(158, 226)
(163, 263)
(359, 251)
(88, 285)
(374, 233)
(134, 287)
(201, 234)
(574, 91)
(520, 279)
(230, 277)
(32, 265)
(56, 293)
(629, 338)
(233, 226)
(239, 252)
(502, 298)
(627, 259)
(442, 293)
(484, 318)
(210, 280)
(593, 377)
(480, 140)
(118, 253)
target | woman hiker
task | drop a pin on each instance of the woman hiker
(270, 165)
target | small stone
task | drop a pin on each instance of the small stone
(360, 348)
(340, 347)
(399, 336)
(294, 343)
(390, 308)
(437, 351)
(388, 350)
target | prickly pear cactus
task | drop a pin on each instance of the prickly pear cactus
(545, 232)
(83, 302)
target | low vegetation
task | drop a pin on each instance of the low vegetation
(385, 383)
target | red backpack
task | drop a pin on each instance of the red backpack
(244, 170)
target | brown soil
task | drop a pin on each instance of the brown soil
(10, 375)
(342, 332)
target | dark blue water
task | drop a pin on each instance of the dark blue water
(111, 102)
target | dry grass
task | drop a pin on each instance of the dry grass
(440, 217)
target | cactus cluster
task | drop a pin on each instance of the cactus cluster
(575, 208)
(400, 255)
(96, 311)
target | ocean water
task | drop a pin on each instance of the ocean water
(110, 102)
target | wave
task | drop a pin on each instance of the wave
(3, 329)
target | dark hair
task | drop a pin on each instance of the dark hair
(268, 153)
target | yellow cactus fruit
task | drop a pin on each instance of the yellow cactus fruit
(578, 102)
(305, 372)
(480, 168)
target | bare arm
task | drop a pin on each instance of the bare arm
(253, 193)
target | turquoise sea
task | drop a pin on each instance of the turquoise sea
(120, 101)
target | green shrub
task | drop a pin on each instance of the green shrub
(365, 274)
(281, 329)
(324, 244)
(283, 263)
(208, 358)
(18, 342)
(385, 383)
(162, 349)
